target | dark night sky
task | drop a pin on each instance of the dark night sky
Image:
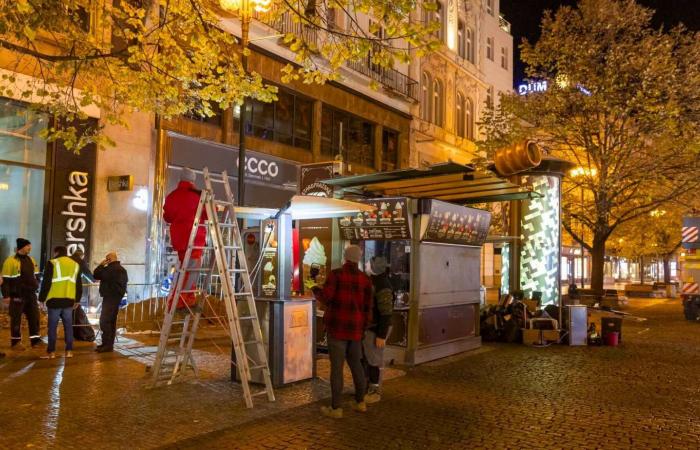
(525, 17)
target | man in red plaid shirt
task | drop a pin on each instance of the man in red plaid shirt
(347, 297)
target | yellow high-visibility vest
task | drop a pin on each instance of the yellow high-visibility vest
(65, 277)
(12, 266)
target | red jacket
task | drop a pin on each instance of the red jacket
(179, 211)
(347, 296)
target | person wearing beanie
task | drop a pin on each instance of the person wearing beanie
(347, 297)
(178, 211)
(375, 336)
(20, 283)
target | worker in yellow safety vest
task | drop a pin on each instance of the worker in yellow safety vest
(61, 290)
(19, 286)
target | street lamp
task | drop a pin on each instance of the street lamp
(245, 9)
(575, 173)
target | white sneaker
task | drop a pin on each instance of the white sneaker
(51, 355)
(69, 354)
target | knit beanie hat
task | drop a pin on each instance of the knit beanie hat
(21, 243)
(352, 253)
(188, 175)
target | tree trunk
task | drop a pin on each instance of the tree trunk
(641, 270)
(667, 269)
(598, 264)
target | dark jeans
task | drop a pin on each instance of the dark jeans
(66, 316)
(28, 306)
(339, 352)
(108, 320)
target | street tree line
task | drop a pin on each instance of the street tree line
(623, 105)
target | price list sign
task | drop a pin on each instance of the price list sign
(388, 221)
(454, 224)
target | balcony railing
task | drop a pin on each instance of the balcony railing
(504, 24)
(285, 24)
(391, 79)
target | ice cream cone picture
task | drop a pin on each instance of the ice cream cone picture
(398, 212)
(315, 257)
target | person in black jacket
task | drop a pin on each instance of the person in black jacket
(113, 280)
(375, 337)
(20, 283)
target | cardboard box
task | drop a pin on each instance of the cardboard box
(533, 337)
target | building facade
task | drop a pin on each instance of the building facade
(422, 112)
(472, 68)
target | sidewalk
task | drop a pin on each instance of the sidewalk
(640, 395)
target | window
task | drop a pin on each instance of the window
(22, 174)
(287, 121)
(469, 45)
(469, 118)
(504, 58)
(489, 48)
(459, 115)
(464, 117)
(378, 31)
(390, 149)
(333, 19)
(490, 7)
(426, 98)
(489, 97)
(438, 103)
(347, 135)
(461, 40)
(436, 16)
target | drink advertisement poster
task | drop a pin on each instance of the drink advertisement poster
(455, 224)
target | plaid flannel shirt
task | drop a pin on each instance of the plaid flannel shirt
(347, 295)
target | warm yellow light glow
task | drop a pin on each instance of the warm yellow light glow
(262, 6)
(231, 5)
(4, 187)
(582, 171)
(657, 213)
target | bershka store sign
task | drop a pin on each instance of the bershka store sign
(73, 187)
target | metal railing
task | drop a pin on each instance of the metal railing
(285, 24)
(504, 24)
(390, 78)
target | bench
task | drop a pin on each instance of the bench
(644, 291)
(611, 298)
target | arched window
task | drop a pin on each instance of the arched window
(461, 40)
(426, 97)
(460, 119)
(469, 118)
(469, 45)
(438, 103)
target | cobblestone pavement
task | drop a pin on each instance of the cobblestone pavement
(644, 394)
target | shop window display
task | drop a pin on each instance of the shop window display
(22, 174)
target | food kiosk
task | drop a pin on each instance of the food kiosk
(432, 242)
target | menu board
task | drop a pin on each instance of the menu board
(388, 221)
(269, 262)
(454, 224)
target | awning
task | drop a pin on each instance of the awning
(451, 182)
(306, 207)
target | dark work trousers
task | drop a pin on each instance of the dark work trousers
(28, 306)
(108, 320)
(351, 351)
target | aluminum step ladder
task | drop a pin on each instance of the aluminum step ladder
(174, 357)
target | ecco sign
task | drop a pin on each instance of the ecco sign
(255, 166)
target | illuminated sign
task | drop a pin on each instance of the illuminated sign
(529, 88)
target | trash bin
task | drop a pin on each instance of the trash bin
(612, 338)
(691, 307)
(611, 325)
